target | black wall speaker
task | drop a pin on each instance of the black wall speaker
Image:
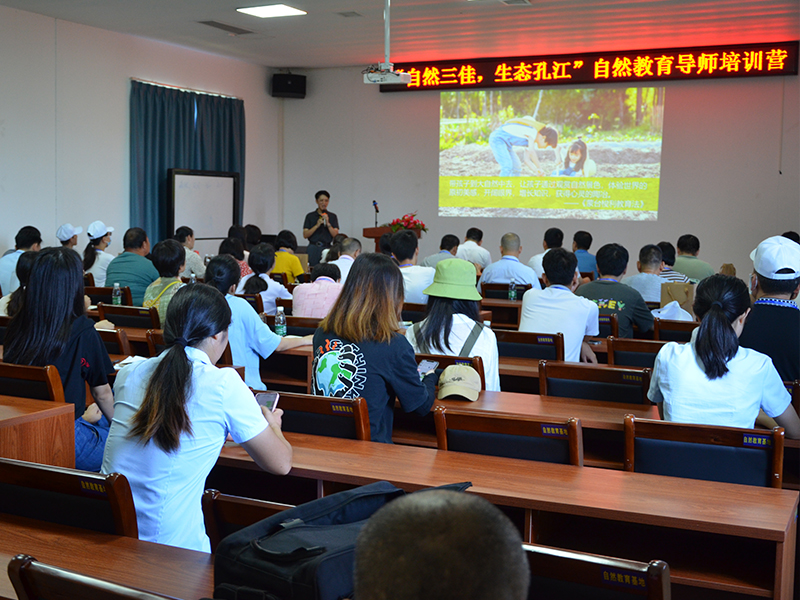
(288, 86)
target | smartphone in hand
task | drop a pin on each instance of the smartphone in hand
(268, 399)
(426, 366)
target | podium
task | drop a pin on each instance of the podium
(375, 233)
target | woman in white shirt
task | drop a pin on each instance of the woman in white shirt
(452, 323)
(95, 259)
(712, 380)
(262, 260)
(172, 414)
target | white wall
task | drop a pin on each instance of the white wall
(725, 142)
(64, 121)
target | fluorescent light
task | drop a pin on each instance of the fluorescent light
(272, 10)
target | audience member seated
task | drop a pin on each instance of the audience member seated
(335, 251)
(687, 262)
(440, 545)
(385, 244)
(508, 268)
(172, 415)
(194, 263)
(52, 329)
(360, 352)
(668, 261)
(28, 239)
(67, 234)
(262, 260)
(773, 326)
(11, 303)
(613, 297)
(285, 259)
(452, 324)
(314, 300)
(557, 309)
(472, 249)
(647, 281)
(169, 259)
(234, 247)
(238, 232)
(132, 268)
(95, 258)
(553, 238)
(405, 249)
(581, 242)
(712, 380)
(447, 249)
(249, 337)
(252, 236)
(349, 250)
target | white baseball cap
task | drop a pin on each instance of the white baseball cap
(774, 254)
(66, 231)
(98, 229)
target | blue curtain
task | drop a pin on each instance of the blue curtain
(182, 130)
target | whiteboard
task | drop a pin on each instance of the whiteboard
(206, 201)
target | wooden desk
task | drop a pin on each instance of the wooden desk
(505, 313)
(713, 535)
(153, 567)
(37, 431)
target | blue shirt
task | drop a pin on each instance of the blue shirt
(249, 338)
(586, 262)
(506, 269)
(132, 270)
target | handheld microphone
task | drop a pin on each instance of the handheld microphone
(375, 206)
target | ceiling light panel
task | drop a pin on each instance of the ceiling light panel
(271, 10)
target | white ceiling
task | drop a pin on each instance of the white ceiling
(433, 29)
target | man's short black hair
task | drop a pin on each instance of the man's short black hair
(667, 253)
(321, 193)
(474, 234)
(650, 255)
(262, 258)
(688, 244)
(559, 265)
(326, 270)
(27, 237)
(134, 238)
(449, 242)
(286, 239)
(440, 545)
(404, 244)
(550, 136)
(554, 237)
(582, 239)
(182, 232)
(237, 231)
(232, 246)
(778, 286)
(350, 246)
(168, 257)
(612, 259)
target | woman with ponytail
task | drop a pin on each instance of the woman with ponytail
(712, 380)
(95, 258)
(172, 414)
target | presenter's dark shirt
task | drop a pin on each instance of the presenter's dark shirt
(322, 235)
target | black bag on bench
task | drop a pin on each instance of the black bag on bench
(304, 553)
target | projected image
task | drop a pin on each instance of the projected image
(561, 154)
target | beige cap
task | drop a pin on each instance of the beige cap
(460, 380)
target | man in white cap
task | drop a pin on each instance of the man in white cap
(773, 325)
(67, 234)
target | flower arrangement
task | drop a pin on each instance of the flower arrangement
(408, 221)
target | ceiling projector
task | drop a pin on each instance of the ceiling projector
(383, 74)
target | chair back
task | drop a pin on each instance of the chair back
(38, 383)
(304, 277)
(594, 382)
(524, 344)
(652, 305)
(296, 325)
(673, 331)
(511, 436)
(320, 415)
(793, 387)
(115, 341)
(103, 294)
(254, 300)
(413, 312)
(88, 279)
(500, 290)
(286, 303)
(557, 573)
(33, 580)
(587, 275)
(224, 514)
(476, 362)
(156, 345)
(280, 278)
(712, 453)
(130, 316)
(67, 497)
(608, 325)
(4, 321)
(625, 352)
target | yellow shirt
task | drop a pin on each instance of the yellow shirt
(286, 262)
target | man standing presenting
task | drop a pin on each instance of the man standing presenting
(131, 268)
(509, 268)
(319, 228)
(472, 251)
(27, 239)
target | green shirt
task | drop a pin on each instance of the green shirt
(691, 266)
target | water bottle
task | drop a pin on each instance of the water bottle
(512, 289)
(280, 322)
(193, 278)
(207, 259)
(116, 295)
